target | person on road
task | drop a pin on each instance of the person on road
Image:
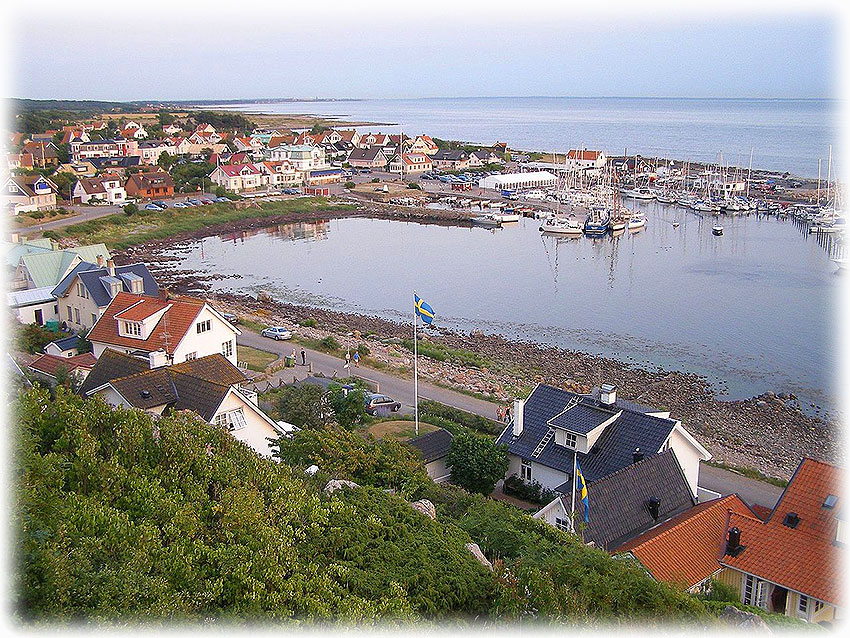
(303, 357)
(347, 359)
(500, 413)
(356, 359)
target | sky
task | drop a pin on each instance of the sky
(360, 50)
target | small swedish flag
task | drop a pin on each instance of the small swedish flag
(581, 486)
(423, 310)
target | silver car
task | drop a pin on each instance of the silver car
(277, 333)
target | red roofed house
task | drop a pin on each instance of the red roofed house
(106, 188)
(422, 144)
(238, 177)
(792, 563)
(151, 185)
(410, 163)
(78, 366)
(683, 549)
(584, 159)
(169, 331)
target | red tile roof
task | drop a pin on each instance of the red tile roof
(49, 363)
(683, 550)
(176, 321)
(142, 309)
(584, 155)
(812, 482)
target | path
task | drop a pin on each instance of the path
(711, 478)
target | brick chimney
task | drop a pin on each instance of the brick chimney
(100, 261)
(110, 265)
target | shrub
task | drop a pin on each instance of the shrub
(414, 186)
(309, 323)
(37, 214)
(476, 464)
(32, 338)
(131, 209)
(466, 419)
(304, 406)
(329, 343)
(349, 184)
(532, 492)
(375, 180)
(363, 350)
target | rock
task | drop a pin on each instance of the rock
(479, 555)
(743, 619)
(761, 404)
(426, 507)
(338, 484)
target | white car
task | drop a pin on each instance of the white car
(277, 333)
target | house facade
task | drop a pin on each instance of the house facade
(153, 185)
(410, 164)
(372, 157)
(434, 448)
(454, 160)
(583, 159)
(107, 189)
(26, 193)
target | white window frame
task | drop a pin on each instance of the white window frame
(227, 348)
(203, 326)
(232, 419)
(803, 606)
(191, 356)
(570, 440)
(562, 524)
(525, 470)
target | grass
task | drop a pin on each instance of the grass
(255, 359)
(402, 429)
(119, 231)
(439, 352)
(749, 472)
(322, 345)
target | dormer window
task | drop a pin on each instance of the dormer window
(131, 329)
(570, 440)
(830, 501)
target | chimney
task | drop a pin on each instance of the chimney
(608, 394)
(100, 261)
(158, 359)
(110, 265)
(519, 405)
(733, 542)
(637, 455)
(654, 506)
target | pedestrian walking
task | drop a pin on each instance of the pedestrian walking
(356, 359)
(507, 413)
(294, 357)
(500, 414)
(303, 357)
(347, 359)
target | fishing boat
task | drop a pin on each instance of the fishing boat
(641, 192)
(717, 230)
(487, 221)
(637, 221)
(616, 224)
(560, 226)
(506, 216)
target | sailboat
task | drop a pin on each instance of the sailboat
(560, 226)
(636, 222)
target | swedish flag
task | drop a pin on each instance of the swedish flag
(581, 486)
(423, 309)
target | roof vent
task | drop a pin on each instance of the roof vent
(608, 394)
(654, 507)
(146, 394)
(637, 455)
(733, 542)
(791, 520)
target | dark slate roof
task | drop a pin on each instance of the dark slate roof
(611, 452)
(619, 508)
(68, 343)
(582, 418)
(93, 279)
(626, 404)
(147, 389)
(449, 154)
(62, 287)
(112, 365)
(368, 154)
(114, 162)
(323, 382)
(434, 445)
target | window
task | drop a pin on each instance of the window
(132, 328)
(562, 524)
(227, 348)
(803, 605)
(233, 419)
(82, 291)
(93, 318)
(525, 470)
(203, 326)
(749, 587)
(570, 440)
(818, 606)
(70, 316)
(191, 356)
(77, 314)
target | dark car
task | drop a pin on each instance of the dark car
(381, 405)
(230, 317)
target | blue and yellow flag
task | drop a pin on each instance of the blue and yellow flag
(423, 310)
(581, 486)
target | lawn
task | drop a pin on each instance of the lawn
(256, 360)
(401, 430)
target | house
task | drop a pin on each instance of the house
(237, 177)
(33, 305)
(72, 134)
(87, 290)
(78, 367)
(683, 549)
(26, 193)
(350, 136)
(106, 188)
(40, 268)
(304, 157)
(204, 138)
(373, 139)
(171, 129)
(410, 164)
(150, 151)
(78, 169)
(552, 426)
(153, 185)
(133, 131)
(624, 503)
(280, 174)
(583, 159)
(422, 144)
(66, 347)
(115, 164)
(101, 148)
(448, 159)
(247, 144)
(209, 386)
(44, 153)
(318, 176)
(792, 562)
(370, 157)
(484, 157)
(179, 329)
(434, 447)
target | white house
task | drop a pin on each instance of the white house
(238, 177)
(434, 448)
(176, 330)
(583, 159)
(107, 188)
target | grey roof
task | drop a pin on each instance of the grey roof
(434, 445)
(114, 162)
(112, 365)
(68, 343)
(368, 154)
(65, 283)
(625, 404)
(582, 418)
(619, 502)
(96, 281)
(612, 450)
(449, 154)
(29, 297)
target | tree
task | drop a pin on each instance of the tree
(65, 183)
(476, 463)
(165, 160)
(130, 209)
(165, 118)
(304, 406)
(32, 338)
(349, 407)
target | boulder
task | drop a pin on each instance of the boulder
(743, 620)
(338, 484)
(426, 507)
(479, 555)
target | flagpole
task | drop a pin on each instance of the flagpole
(415, 374)
(573, 507)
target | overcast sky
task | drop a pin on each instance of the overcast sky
(153, 51)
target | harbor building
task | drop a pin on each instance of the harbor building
(517, 181)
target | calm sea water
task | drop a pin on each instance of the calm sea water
(786, 135)
(754, 310)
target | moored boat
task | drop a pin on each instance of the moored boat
(637, 221)
(487, 221)
(559, 226)
(717, 230)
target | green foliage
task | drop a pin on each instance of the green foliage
(414, 186)
(222, 120)
(166, 160)
(330, 343)
(65, 183)
(165, 118)
(720, 591)
(304, 406)
(318, 128)
(532, 492)
(83, 344)
(363, 350)
(130, 210)
(476, 464)
(120, 518)
(309, 323)
(429, 408)
(375, 180)
(775, 621)
(440, 352)
(349, 184)
(32, 338)
(191, 176)
(349, 407)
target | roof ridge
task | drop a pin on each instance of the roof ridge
(709, 505)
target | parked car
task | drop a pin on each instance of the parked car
(194, 202)
(276, 332)
(160, 203)
(380, 404)
(153, 206)
(206, 201)
(181, 205)
(228, 316)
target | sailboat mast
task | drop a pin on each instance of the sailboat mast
(828, 174)
(750, 171)
(818, 197)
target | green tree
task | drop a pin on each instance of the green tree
(32, 338)
(349, 407)
(165, 160)
(130, 209)
(165, 118)
(304, 406)
(65, 181)
(476, 464)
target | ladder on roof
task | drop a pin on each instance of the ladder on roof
(543, 443)
(573, 403)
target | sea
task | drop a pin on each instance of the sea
(752, 310)
(784, 135)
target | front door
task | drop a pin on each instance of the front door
(39, 318)
(778, 599)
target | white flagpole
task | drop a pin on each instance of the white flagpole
(573, 507)
(415, 374)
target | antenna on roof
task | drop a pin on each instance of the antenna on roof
(165, 336)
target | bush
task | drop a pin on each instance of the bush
(130, 210)
(32, 338)
(349, 407)
(532, 492)
(476, 464)
(304, 406)
(50, 234)
(363, 350)
(720, 591)
(414, 186)
(309, 323)
(329, 343)
(349, 184)
(466, 419)
(375, 180)
(37, 214)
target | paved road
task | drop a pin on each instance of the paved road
(712, 478)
